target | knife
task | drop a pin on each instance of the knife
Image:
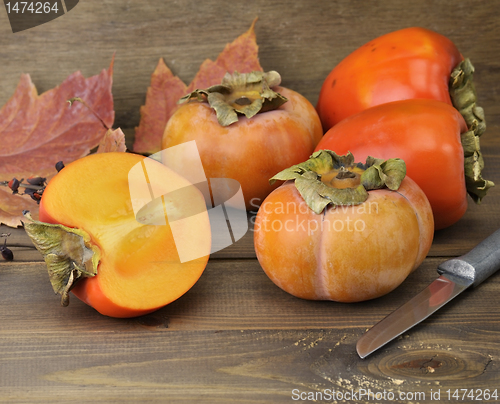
(456, 275)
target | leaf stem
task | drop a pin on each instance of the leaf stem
(71, 101)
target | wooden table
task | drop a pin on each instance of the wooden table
(235, 337)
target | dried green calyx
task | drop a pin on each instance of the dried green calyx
(327, 178)
(246, 94)
(463, 96)
(68, 253)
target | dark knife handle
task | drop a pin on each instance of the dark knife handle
(478, 264)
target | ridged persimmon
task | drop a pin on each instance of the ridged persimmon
(121, 267)
(342, 231)
(235, 141)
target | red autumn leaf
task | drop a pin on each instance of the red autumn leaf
(166, 89)
(242, 55)
(37, 131)
(161, 101)
(12, 205)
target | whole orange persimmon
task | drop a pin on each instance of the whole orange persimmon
(95, 247)
(248, 128)
(342, 231)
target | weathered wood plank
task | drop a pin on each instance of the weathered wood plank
(235, 337)
(303, 41)
(231, 295)
(229, 367)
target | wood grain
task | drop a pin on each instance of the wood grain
(303, 41)
(228, 367)
(235, 336)
(230, 295)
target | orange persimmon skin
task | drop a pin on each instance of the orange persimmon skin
(345, 254)
(139, 270)
(405, 64)
(423, 133)
(251, 150)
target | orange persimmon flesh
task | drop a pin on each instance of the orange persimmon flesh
(139, 269)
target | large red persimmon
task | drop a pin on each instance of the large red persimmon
(411, 64)
(441, 155)
(405, 64)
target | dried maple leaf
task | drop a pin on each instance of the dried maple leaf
(37, 131)
(166, 89)
(113, 141)
(161, 101)
(11, 205)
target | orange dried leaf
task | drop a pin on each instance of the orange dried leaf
(12, 206)
(37, 131)
(113, 141)
(242, 56)
(166, 89)
(161, 102)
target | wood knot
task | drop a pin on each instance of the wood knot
(427, 365)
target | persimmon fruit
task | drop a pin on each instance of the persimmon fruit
(407, 69)
(137, 266)
(271, 130)
(426, 134)
(411, 63)
(341, 231)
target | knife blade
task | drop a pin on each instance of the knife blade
(456, 275)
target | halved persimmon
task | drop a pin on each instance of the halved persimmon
(112, 261)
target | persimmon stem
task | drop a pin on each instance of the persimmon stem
(345, 173)
(376, 174)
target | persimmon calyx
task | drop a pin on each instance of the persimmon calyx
(320, 180)
(464, 99)
(246, 94)
(68, 253)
